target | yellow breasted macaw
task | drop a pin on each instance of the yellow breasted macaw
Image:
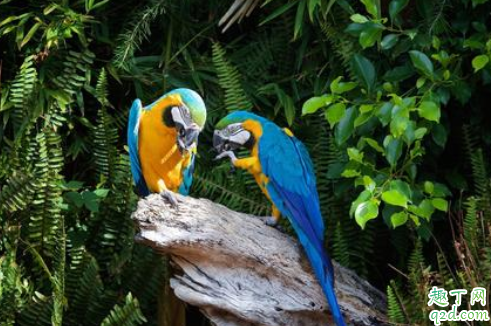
(162, 140)
(281, 166)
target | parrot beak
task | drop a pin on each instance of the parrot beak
(219, 142)
(187, 137)
(229, 139)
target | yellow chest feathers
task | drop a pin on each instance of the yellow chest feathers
(160, 159)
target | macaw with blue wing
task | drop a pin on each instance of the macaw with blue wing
(281, 166)
(162, 141)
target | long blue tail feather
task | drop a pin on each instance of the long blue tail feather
(320, 264)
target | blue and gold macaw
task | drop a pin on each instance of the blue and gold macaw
(283, 170)
(162, 140)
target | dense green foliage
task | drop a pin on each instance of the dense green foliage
(389, 96)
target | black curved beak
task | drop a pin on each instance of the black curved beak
(187, 137)
(218, 142)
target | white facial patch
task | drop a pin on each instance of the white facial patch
(181, 115)
(240, 137)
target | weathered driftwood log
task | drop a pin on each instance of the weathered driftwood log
(239, 271)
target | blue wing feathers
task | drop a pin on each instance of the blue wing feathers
(133, 128)
(187, 177)
(292, 188)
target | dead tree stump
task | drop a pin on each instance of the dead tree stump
(239, 271)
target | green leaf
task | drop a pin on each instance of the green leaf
(362, 118)
(395, 7)
(335, 113)
(355, 155)
(91, 201)
(339, 87)
(384, 113)
(371, 7)
(430, 111)
(289, 107)
(374, 144)
(415, 219)
(315, 103)
(393, 149)
(420, 133)
(101, 193)
(422, 63)
(278, 12)
(394, 197)
(441, 190)
(312, 5)
(439, 135)
(389, 41)
(409, 134)
(74, 197)
(299, 19)
(363, 196)
(425, 209)
(365, 212)
(402, 187)
(357, 18)
(429, 187)
(365, 71)
(30, 34)
(398, 126)
(420, 82)
(350, 173)
(440, 204)
(480, 62)
(344, 129)
(398, 219)
(370, 34)
(365, 108)
(369, 183)
(399, 73)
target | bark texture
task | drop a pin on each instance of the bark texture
(239, 271)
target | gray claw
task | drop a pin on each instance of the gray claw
(170, 197)
(271, 221)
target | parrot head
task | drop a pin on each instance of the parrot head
(188, 118)
(230, 134)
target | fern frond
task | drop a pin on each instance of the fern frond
(46, 218)
(340, 248)
(38, 312)
(127, 315)
(238, 193)
(83, 285)
(416, 259)
(394, 309)
(137, 31)
(105, 138)
(344, 48)
(17, 192)
(101, 92)
(479, 172)
(15, 290)
(143, 276)
(471, 227)
(22, 90)
(229, 79)
(76, 71)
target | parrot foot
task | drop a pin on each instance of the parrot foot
(271, 221)
(170, 197)
(229, 154)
